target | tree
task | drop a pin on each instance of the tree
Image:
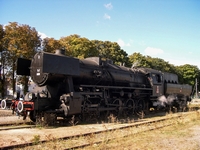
(160, 64)
(50, 45)
(2, 60)
(137, 59)
(188, 73)
(19, 41)
(111, 50)
(149, 62)
(1, 37)
(77, 46)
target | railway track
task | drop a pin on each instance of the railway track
(20, 126)
(130, 129)
(7, 121)
(98, 132)
(116, 131)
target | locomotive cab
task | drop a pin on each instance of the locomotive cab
(156, 79)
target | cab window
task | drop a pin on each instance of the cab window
(157, 78)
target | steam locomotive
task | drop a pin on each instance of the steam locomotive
(94, 86)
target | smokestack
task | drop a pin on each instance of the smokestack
(60, 52)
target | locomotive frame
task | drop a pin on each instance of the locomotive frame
(94, 87)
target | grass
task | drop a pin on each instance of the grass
(179, 136)
(193, 106)
(36, 139)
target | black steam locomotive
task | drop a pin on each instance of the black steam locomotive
(93, 87)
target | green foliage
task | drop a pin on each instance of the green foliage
(77, 46)
(36, 139)
(139, 60)
(19, 41)
(50, 45)
(23, 41)
(81, 47)
(188, 73)
(111, 50)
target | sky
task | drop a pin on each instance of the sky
(166, 29)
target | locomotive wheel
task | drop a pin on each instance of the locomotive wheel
(85, 111)
(140, 108)
(3, 104)
(118, 111)
(104, 115)
(130, 104)
(86, 106)
(38, 119)
(50, 118)
(182, 106)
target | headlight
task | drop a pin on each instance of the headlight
(30, 96)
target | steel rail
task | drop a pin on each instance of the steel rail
(22, 126)
(135, 124)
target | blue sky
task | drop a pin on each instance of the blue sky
(166, 29)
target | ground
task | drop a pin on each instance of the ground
(181, 136)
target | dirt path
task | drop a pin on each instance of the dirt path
(6, 117)
(189, 135)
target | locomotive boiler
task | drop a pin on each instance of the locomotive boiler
(88, 87)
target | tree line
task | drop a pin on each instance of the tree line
(21, 40)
